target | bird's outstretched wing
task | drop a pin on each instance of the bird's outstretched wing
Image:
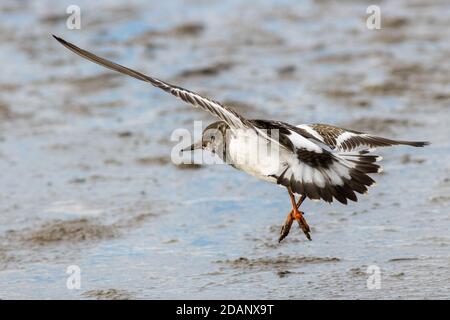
(231, 117)
(345, 140)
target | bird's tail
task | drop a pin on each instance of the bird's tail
(361, 161)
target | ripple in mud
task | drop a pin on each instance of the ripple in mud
(357, 272)
(108, 294)
(340, 93)
(5, 259)
(406, 158)
(189, 29)
(388, 87)
(54, 18)
(161, 161)
(153, 161)
(50, 240)
(280, 261)
(402, 259)
(186, 29)
(38, 245)
(405, 71)
(96, 83)
(188, 166)
(285, 273)
(379, 125)
(395, 22)
(151, 39)
(287, 71)
(6, 113)
(440, 199)
(391, 36)
(72, 231)
(210, 70)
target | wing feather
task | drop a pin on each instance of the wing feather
(231, 117)
(320, 173)
(345, 140)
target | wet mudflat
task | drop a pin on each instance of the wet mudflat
(87, 177)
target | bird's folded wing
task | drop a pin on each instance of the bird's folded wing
(345, 140)
(231, 117)
(321, 174)
(312, 169)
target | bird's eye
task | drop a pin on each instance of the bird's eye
(213, 138)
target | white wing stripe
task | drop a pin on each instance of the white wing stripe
(311, 131)
(343, 137)
(301, 142)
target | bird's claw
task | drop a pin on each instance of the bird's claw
(284, 232)
(285, 228)
(303, 224)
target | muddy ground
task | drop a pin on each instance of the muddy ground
(87, 178)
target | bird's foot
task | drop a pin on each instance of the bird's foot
(286, 227)
(295, 214)
(303, 224)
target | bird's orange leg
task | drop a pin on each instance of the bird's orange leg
(295, 214)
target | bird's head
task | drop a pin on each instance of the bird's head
(213, 139)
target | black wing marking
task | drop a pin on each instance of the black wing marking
(317, 172)
(285, 130)
(328, 176)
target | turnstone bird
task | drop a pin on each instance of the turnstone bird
(315, 161)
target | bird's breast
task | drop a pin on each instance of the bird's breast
(255, 155)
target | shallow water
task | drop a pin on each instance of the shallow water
(85, 154)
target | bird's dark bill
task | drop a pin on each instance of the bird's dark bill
(194, 146)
